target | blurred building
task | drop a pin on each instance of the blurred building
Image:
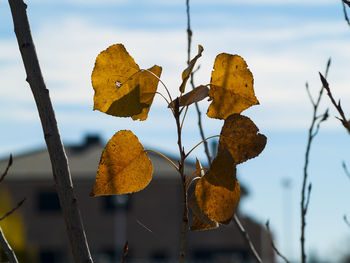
(149, 220)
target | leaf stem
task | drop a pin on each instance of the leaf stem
(166, 158)
(200, 144)
(193, 174)
(167, 90)
(183, 118)
(163, 97)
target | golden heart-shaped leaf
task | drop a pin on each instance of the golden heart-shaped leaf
(121, 88)
(231, 87)
(124, 166)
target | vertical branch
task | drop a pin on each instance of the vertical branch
(60, 169)
(201, 131)
(312, 132)
(183, 180)
(189, 42)
(7, 248)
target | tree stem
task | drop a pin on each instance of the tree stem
(183, 181)
(60, 169)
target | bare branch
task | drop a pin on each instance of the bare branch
(273, 244)
(346, 2)
(346, 169)
(60, 169)
(7, 248)
(246, 238)
(12, 210)
(320, 119)
(313, 130)
(199, 114)
(7, 168)
(338, 106)
(308, 197)
(309, 94)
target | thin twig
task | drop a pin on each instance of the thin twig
(7, 168)
(346, 220)
(273, 243)
(246, 238)
(338, 106)
(125, 252)
(12, 210)
(199, 114)
(7, 248)
(346, 169)
(313, 131)
(346, 2)
(59, 163)
(345, 13)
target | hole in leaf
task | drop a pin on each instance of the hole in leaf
(118, 84)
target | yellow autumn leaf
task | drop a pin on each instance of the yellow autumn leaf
(231, 87)
(217, 192)
(121, 88)
(124, 166)
(240, 137)
(187, 72)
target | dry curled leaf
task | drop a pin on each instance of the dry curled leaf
(124, 166)
(231, 87)
(217, 192)
(187, 72)
(195, 95)
(240, 137)
(121, 88)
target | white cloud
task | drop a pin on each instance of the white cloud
(280, 59)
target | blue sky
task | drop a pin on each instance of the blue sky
(285, 44)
